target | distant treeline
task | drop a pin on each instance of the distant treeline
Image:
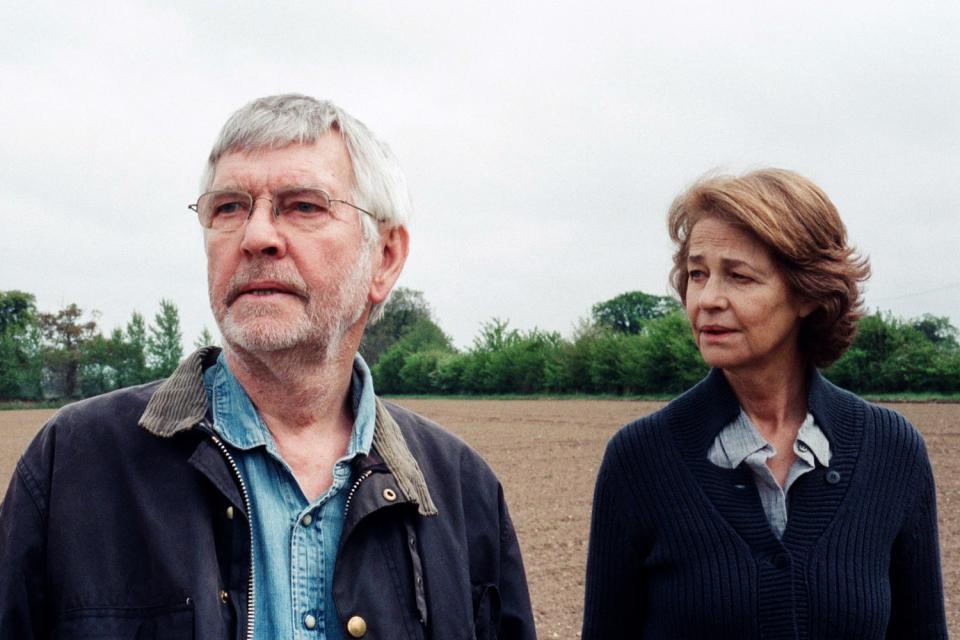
(62, 355)
(635, 343)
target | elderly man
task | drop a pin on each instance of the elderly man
(264, 491)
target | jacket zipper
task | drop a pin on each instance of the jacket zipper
(251, 601)
(363, 476)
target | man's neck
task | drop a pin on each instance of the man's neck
(307, 406)
(293, 392)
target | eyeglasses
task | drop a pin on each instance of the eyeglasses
(302, 208)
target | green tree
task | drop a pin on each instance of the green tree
(404, 310)
(165, 341)
(205, 339)
(65, 335)
(665, 359)
(18, 311)
(937, 330)
(630, 311)
(568, 370)
(20, 349)
(423, 336)
(134, 369)
(890, 354)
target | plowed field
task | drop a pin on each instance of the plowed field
(546, 454)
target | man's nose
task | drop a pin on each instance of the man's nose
(262, 233)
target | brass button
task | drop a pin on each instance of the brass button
(389, 495)
(357, 627)
(224, 596)
(229, 513)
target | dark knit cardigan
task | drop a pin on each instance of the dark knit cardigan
(681, 548)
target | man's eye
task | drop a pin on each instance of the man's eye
(306, 207)
(229, 208)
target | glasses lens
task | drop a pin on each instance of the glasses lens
(224, 210)
(303, 208)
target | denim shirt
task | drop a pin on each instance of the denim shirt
(294, 541)
(740, 442)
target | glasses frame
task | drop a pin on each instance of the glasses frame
(275, 210)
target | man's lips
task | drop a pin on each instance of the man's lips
(263, 289)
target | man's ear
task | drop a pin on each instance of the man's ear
(394, 247)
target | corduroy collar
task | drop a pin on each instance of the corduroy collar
(180, 404)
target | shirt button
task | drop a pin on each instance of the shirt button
(833, 476)
(309, 621)
(357, 627)
(307, 520)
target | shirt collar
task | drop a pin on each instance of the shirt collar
(813, 437)
(740, 439)
(236, 420)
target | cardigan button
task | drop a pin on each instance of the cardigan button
(833, 476)
(781, 561)
(357, 627)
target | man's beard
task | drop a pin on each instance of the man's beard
(327, 315)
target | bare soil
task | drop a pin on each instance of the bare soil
(546, 454)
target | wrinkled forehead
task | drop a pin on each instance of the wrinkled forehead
(324, 164)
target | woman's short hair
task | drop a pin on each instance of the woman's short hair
(797, 222)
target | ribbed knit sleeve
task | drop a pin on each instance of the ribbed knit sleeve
(916, 585)
(614, 605)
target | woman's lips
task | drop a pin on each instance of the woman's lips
(715, 332)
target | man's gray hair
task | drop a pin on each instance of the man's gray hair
(275, 122)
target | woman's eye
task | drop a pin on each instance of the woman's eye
(695, 274)
(741, 277)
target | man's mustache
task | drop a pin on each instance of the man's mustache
(286, 281)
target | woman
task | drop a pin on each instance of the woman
(765, 502)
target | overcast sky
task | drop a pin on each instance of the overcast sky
(543, 142)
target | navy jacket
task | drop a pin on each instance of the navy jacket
(126, 518)
(681, 548)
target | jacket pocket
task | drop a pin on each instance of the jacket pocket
(174, 622)
(486, 611)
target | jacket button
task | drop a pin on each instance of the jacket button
(357, 627)
(307, 520)
(224, 596)
(229, 513)
(833, 476)
(389, 495)
(309, 621)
